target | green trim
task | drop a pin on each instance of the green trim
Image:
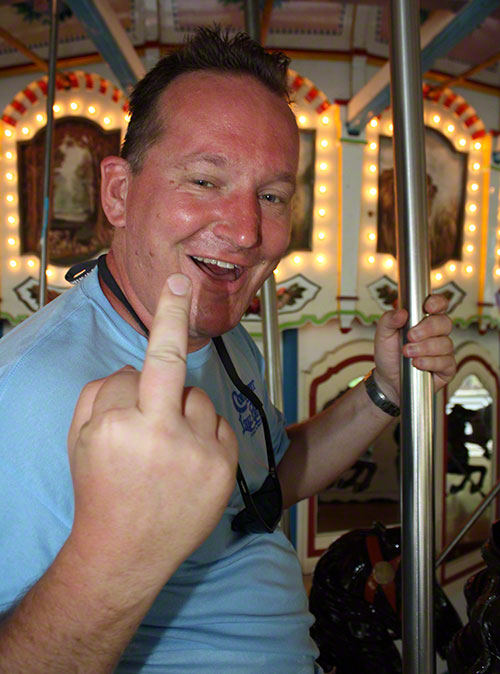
(353, 140)
(369, 320)
(13, 320)
(495, 167)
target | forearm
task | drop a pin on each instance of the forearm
(324, 446)
(76, 619)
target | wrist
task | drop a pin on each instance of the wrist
(380, 396)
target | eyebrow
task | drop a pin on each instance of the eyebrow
(220, 161)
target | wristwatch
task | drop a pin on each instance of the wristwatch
(378, 397)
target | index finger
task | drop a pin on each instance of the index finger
(164, 372)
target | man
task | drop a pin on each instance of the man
(125, 556)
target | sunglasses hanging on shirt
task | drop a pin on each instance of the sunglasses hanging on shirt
(264, 507)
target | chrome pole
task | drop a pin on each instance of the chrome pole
(270, 329)
(49, 133)
(417, 493)
(470, 522)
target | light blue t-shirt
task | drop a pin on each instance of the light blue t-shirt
(237, 605)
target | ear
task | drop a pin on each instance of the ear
(115, 180)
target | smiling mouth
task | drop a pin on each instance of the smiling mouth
(224, 271)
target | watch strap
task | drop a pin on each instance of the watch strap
(379, 398)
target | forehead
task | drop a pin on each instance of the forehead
(228, 108)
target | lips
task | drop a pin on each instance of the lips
(218, 269)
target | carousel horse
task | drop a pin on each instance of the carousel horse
(356, 601)
(458, 453)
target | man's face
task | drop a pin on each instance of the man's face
(212, 199)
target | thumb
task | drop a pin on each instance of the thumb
(390, 323)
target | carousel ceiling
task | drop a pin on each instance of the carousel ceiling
(302, 27)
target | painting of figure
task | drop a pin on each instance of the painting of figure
(446, 173)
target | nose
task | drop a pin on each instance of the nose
(239, 221)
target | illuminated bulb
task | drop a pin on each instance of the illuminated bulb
(469, 269)
(371, 259)
(373, 146)
(11, 241)
(323, 166)
(9, 176)
(389, 263)
(321, 212)
(127, 117)
(374, 123)
(302, 119)
(296, 259)
(91, 109)
(39, 118)
(107, 120)
(9, 155)
(473, 208)
(321, 236)
(25, 130)
(373, 168)
(324, 143)
(438, 276)
(11, 220)
(474, 187)
(436, 119)
(49, 272)
(497, 271)
(452, 267)
(325, 119)
(13, 264)
(73, 106)
(31, 263)
(470, 248)
(10, 198)
(320, 259)
(477, 145)
(8, 133)
(391, 127)
(476, 166)
(56, 108)
(462, 142)
(450, 128)
(372, 236)
(276, 271)
(472, 228)
(322, 189)
(498, 251)
(373, 191)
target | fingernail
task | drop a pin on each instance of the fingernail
(178, 284)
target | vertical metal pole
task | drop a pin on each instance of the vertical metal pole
(413, 258)
(270, 328)
(49, 132)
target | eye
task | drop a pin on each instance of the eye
(203, 183)
(271, 198)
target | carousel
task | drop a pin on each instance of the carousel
(398, 109)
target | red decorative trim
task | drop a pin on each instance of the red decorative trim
(471, 120)
(448, 102)
(43, 86)
(479, 134)
(116, 94)
(346, 297)
(312, 551)
(322, 107)
(30, 95)
(311, 95)
(103, 87)
(89, 82)
(460, 109)
(17, 105)
(125, 107)
(9, 120)
(297, 83)
(73, 80)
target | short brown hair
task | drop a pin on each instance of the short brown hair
(209, 49)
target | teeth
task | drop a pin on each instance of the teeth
(219, 263)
